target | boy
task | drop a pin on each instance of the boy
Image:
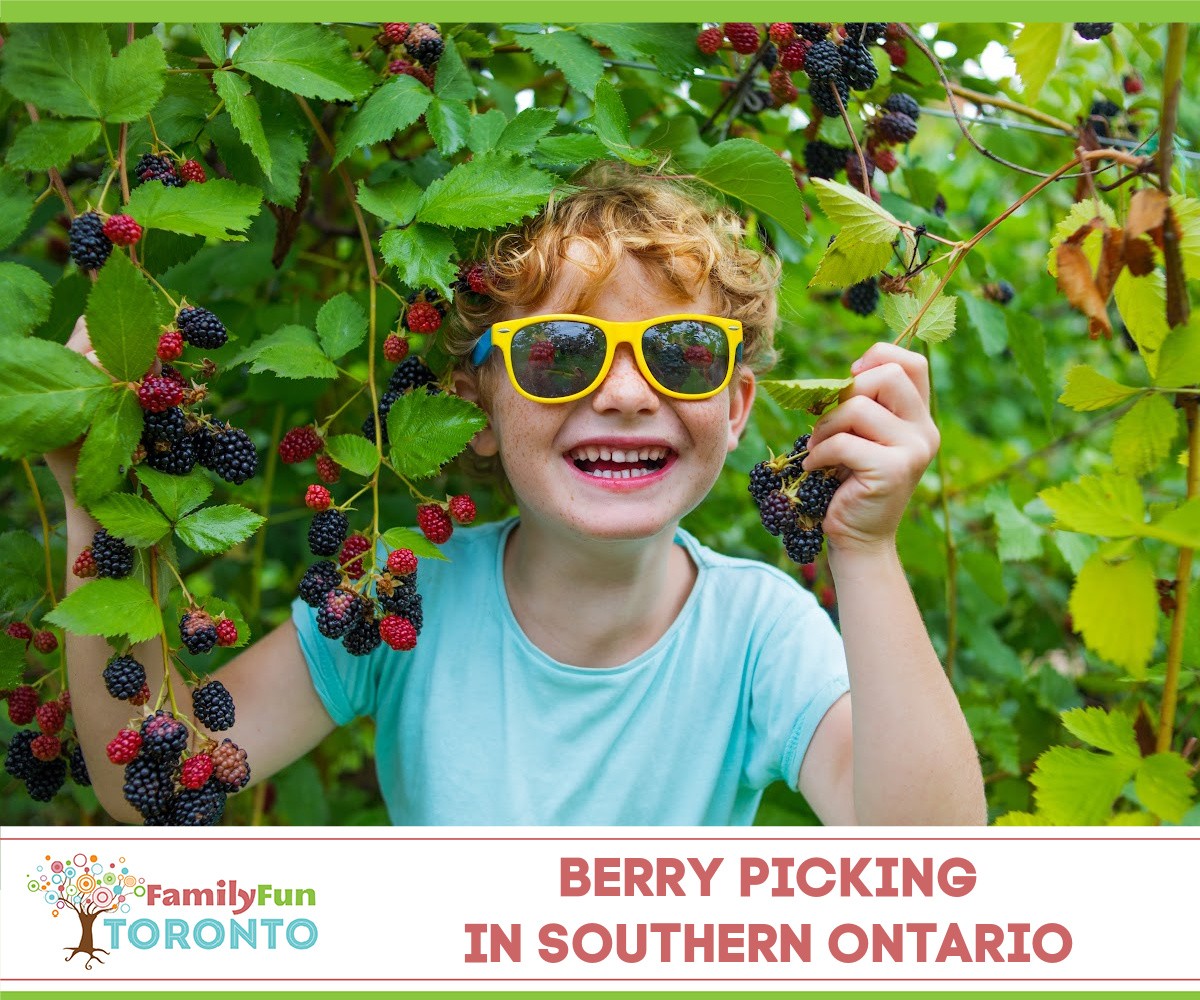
(588, 662)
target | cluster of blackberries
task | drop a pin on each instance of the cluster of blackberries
(42, 757)
(792, 502)
(174, 442)
(422, 44)
(410, 374)
(167, 171)
(1108, 118)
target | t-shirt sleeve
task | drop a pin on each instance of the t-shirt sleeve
(800, 671)
(347, 685)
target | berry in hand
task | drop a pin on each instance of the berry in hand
(434, 522)
(201, 328)
(89, 247)
(123, 230)
(212, 706)
(793, 502)
(113, 558)
(462, 508)
(123, 747)
(317, 498)
(197, 631)
(327, 532)
(298, 444)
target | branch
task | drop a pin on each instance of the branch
(1177, 297)
(996, 101)
(54, 175)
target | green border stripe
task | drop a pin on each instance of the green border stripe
(218, 994)
(609, 10)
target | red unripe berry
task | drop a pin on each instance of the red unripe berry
(64, 699)
(123, 747)
(743, 36)
(196, 770)
(19, 630)
(791, 56)
(402, 67)
(1132, 84)
(395, 348)
(402, 562)
(46, 747)
(191, 170)
(227, 633)
(783, 89)
(157, 394)
(22, 705)
(781, 32)
(828, 597)
(298, 444)
(886, 161)
(85, 564)
(317, 497)
(50, 717)
(394, 33)
(475, 276)
(142, 696)
(434, 522)
(462, 508)
(350, 558)
(710, 40)
(398, 632)
(896, 51)
(422, 317)
(170, 345)
(894, 30)
(123, 230)
(45, 642)
(809, 572)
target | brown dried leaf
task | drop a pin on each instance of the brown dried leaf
(1080, 234)
(1139, 255)
(1075, 281)
(1147, 208)
(1112, 260)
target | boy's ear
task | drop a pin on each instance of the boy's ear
(466, 386)
(741, 399)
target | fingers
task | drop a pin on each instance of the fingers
(864, 417)
(891, 385)
(914, 365)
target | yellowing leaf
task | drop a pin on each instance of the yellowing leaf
(1035, 51)
(1143, 437)
(1078, 787)
(839, 268)
(1114, 606)
(811, 394)
(1087, 389)
(1082, 212)
(1108, 504)
(1164, 786)
(1142, 303)
(1187, 218)
(1111, 731)
(860, 220)
(1179, 359)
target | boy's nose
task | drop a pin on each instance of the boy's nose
(624, 387)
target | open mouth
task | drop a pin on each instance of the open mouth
(615, 463)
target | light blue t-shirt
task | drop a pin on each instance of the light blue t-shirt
(477, 726)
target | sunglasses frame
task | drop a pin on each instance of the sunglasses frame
(500, 335)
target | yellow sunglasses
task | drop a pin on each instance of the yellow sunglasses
(560, 358)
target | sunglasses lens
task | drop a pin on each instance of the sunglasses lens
(557, 358)
(687, 356)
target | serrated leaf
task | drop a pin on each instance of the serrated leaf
(419, 545)
(1107, 504)
(485, 129)
(452, 81)
(814, 395)
(134, 80)
(1142, 304)
(750, 172)
(580, 64)
(1081, 213)
(988, 320)
(246, 115)
(109, 608)
(108, 449)
(427, 431)
(1086, 389)
(291, 352)
(1164, 786)
(422, 256)
(304, 59)
(859, 219)
(45, 144)
(668, 46)
(48, 394)
(524, 132)
(353, 452)
(1018, 818)
(57, 67)
(176, 495)
(566, 149)
(1077, 787)
(1143, 437)
(131, 518)
(1114, 606)
(21, 569)
(217, 208)
(217, 529)
(1180, 526)
(24, 299)
(610, 121)
(839, 268)
(1017, 537)
(16, 205)
(1187, 220)
(473, 44)
(1028, 345)
(1179, 358)
(212, 40)
(124, 321)
(391, 108)
(489, 191)
(12, 661)
(1035, 50)
(449, 123)
(936, 323)
(1111, 731)
(341, 325)
(393, 201)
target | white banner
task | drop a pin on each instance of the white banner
(537, 908)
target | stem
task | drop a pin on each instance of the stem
(260, 543)
(951, 546)
(166, 650)
(160, 288)
(53, 174)
(996, 101)
(1177, 297)
(182, 585)
(41, 509)
(862, 160)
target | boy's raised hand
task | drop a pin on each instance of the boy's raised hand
(884, 435)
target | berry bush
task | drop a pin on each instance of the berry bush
(266, 226)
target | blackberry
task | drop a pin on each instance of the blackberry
(19, 759)
(816, 490)
(164, 737)
(821, 94)
(858, 67)
(45, 778)
(410, 373)
(169, 425)
(865, 33)
(200, 328)
(1093, 30)
(1105, 108)
(229, 452)
(89, 247)
(174, 457)
(203, 806)
(212, 706)
(150, 164)
(823, 62)
(813, 31)
(763, 479)
(895, 127)
(743, 36)
(230, 766)
(385, 406)
(363, 636)
(822, 159)
(777, 513)
(338, 612)
(770, 55)
(854, 169)
(114, 559)
(427, 51)
(318, 580)
(1000, 292)
(124, 677)
(903, 104)
(79, 771)
(198, 632)
(327, 532)
(407, 603)
(803, 545)
(862, 298)
(148, 787)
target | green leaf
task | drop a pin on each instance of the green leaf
(245, 114)
(452, 81)
(568, 149)
(109, 608)
(610, 122)
(668, 46)
(1163, 785)
(1143, 437)
(217, 208)
(217, 529)
(217, 607)
(750, 172)
(1018, 538)
(292, 352)
(427, 431)
(393, 201)
(485, 129)
(134, 80)
(859, 219)
(12, 660)
(24, 299)
(1086, 389)
(839, 268)
(1187, 218)
(1114, 606)
(1142, 303)
(48, 394)
(108, 448)
(988, 320)
(45, 144)
(1018, 818)
(580, 64)
(524, 132)
(390, 109)
(449, 123)
(1035, 50)
(1107, 504)
(418, 544)
(16, 205)
(1180, 526)
(304, 59)
(21, 570)
(341, 325)
(176, 495)
(57, 67)
(814, 395)
(1179, 358)
(212, 40)
(489, 191)
(422, 256)
(1111, 731)
(1077, 787)
(353, 452)
(1081, 213)
(131, 518)
(124, 321)
(936, 324)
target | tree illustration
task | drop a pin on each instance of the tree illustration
(88, 887)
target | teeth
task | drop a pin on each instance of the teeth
(622, 474)
(593, 453)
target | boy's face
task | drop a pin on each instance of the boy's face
(550, 451)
